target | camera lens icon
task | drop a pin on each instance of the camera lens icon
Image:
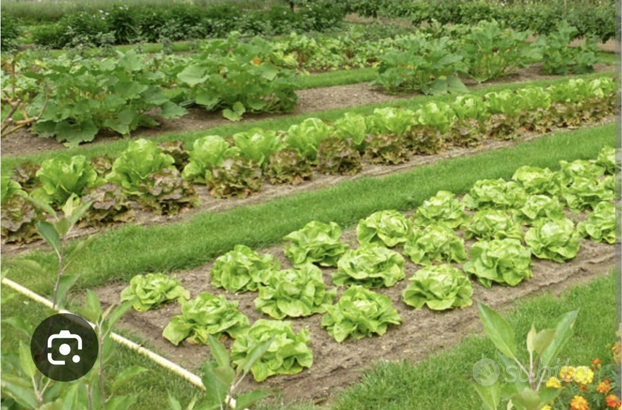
(64, 347)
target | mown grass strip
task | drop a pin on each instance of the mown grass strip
(114, 148)
(121, 253)
(447, 378)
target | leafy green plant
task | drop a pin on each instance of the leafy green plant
(437, 114)
(436, 242)
(468, 133)
(386, 149)
(585, 193)
(316, 242)
(289, 353)
(390, 120)
(360, 313)
(238, 83)
(294, 293)
(539, 207)
(442, 208)
(237, 177)
(495, 194)
(561, 59)
(525, 392)
(166, 192)
(152, 290)
(206, 315)
(63, 176)
(19, 215)
(110, 206)
(102, 164)
(176, 150)
(607, 160)
(257, 145)
(428, 66)
(601, 224)
(306, 137)
(553, 239)
(570, 171)
(287, 167)
(338, 157)
(493, 224)
(26, 175)
(207, 152)
(134, 166)
(371, 266)
(504, 261)
(536, 180)
(352, 126)
(440, 287)
(242, 269)
(388, 228)
(93, 94)
(490, 52)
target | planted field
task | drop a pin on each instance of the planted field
(267, 228)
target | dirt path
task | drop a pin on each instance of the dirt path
(422, 333)
(269, 192)
(23, 142)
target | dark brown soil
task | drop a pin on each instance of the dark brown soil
(23, 142)
(423, 332)
(269, 192)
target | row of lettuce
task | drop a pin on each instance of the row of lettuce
(160, 178)
(499, 214)
(73, 98)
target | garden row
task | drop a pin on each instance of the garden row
(131, 23)
(160, 178)
(534, 198)
(592, 18)
(73, 98)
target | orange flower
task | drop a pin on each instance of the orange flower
(596, 364)
(256, 61)
(612, 401)
(579, 403)
(603, 387)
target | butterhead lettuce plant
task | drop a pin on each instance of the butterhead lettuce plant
(440, 287)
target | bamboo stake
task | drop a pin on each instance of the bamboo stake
(167, 364)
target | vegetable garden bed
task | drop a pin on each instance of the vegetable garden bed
(422, 333)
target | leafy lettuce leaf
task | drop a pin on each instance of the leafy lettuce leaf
(257, 144)
(371, 266)
(203, 316)
(294, 293)
(360, 313)
(437, 114)
(585, 193)
(553, 239)
(242, 269)
(153, 290)
(601, 224)
(352, 126)
(383, 228)
(289, 353)
(63, 176)
(537, 181)
(537, 207)
(607, 160)
(493, 224)
(434, 243)
(495, 194)
(441, 287)
(306, 137)
(390, 120)
(207, 152)
(443, 208)
(504, 261)
(316, 242)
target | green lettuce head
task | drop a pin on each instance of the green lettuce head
(371, 266)
(317, 243)
(504, 261)
(387, 228)
(441, 287)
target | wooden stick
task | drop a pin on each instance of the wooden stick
(167, 364)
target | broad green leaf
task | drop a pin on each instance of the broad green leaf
(249, 399)
(25, 359)
(19, 390)
(50, 235)
(498, 330)
(527, 398)
(118, 312)
(218, 351)
(543, 339)
(531, 339)
(225, 374)
(92, 304)
(255, 354)
(66, 282)
(563, 331)
(490, 395)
